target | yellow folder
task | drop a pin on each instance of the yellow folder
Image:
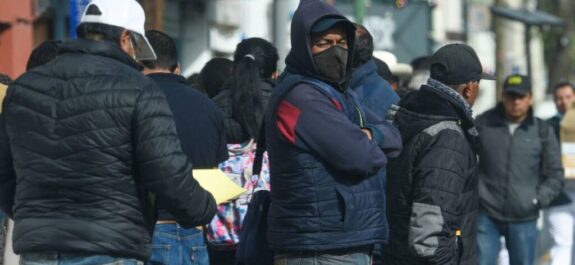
(218, 184)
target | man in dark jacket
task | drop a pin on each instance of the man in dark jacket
(327, 152)
(373, 91)
(432, 185)
(200, 127)
(519, 173)
(87, 143)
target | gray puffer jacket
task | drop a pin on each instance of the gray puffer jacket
(519, 173)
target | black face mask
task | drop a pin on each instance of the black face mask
(332, 63)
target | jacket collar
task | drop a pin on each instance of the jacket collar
(499, 119)
(101, 48)
(167, 78)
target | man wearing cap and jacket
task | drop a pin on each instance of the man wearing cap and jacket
(327, 152)
(520, 173)
(432, 185)
(89, 145)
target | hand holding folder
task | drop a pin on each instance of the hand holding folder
(218, 184)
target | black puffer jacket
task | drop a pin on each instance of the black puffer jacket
(83, 138)
(234, 131)
(432, 185)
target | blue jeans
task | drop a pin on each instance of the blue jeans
(520, 240)
(355, 258)
(174, 245)
(56, 258)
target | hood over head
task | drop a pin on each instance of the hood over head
(300, 59)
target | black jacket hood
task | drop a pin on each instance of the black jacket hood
(425, 107)
(300, 59)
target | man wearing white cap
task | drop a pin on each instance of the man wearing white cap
(88, 145)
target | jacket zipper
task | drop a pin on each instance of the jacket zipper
(508, 168)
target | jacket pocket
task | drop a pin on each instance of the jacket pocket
(346, 201)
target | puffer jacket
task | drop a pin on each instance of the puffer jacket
(512, 174)
(84, 140)
(432, 185)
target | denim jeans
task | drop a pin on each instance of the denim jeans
(56, 258)
(520, 240)
(174, 245)
(353, 257)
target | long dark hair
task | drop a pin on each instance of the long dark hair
(254, 59)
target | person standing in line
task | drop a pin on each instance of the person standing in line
(243, 100)
(561, 213)
(373, 91)
(432, 185)
(200, 127)
(327, 152)
(88, 146)
(520, 173)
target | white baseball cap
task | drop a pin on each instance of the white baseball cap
(127, 14)
(398, 69)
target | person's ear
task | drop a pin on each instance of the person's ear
(275, 75)
(126, 43)
(178, 70)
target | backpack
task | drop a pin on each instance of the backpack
(223, 232)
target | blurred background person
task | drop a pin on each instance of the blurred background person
(200, 128)
(373, 91)
(215, 74)
(560, 216)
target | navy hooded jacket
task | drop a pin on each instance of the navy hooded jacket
(374, 92)
(327, 176)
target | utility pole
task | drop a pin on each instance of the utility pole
(359, 11)
(281, 24)
(510, 45)
(499, 51)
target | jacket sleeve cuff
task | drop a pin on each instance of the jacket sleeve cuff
(376, 134)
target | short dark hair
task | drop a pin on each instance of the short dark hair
(5, 79)
(44, 53)
(214, 74)
(97, 31)
(166, 51)
(363, 46)
(563, 84)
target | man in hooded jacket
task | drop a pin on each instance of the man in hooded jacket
(432, 185)
(327, 153)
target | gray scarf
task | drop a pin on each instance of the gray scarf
(448, 91)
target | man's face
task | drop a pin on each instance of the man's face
(564, 98)
(517, 105)
(327, 39)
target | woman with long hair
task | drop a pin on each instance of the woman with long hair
(245, 96)
(243, 102)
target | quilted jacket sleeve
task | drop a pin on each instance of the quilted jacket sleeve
(162, 166)
(439, 179)
(7, 175)
(553, 173)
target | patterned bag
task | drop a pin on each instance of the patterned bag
(224, 230)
